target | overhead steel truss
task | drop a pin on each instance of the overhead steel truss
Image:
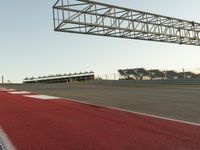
(89, 17)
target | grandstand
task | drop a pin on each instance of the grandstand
(172, 75)
(135, 74)
(188, 75)
(157, 74)
(154, 74)
(62, 78)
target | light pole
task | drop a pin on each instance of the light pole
(2, 79)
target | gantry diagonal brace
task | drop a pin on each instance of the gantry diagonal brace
(89, 17)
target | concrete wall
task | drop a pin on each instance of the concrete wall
(123, 82)
(151, 82)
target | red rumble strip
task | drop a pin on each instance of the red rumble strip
(57, 124)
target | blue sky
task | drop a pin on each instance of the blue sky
(30, 47)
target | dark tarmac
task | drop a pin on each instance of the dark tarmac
(176, 102)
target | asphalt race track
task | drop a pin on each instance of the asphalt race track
(36, 122)
(177, 102)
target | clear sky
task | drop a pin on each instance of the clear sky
(30, 47)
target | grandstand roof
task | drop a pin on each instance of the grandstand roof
(59, 76)
(187, 74)
(172, 74)
(157, 73)
(128, 72)
(121, 72)
(135, 72)
(142, 71)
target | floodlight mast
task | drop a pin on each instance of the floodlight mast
(94, 18)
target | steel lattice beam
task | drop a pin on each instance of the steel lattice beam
(89, 17)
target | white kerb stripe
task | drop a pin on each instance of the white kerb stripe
(43, 97)
(5, 142)
(20, 92)
(7, 90)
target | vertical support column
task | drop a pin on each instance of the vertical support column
(2, 79)
(115, 76)
(183, 73)
(63, 12)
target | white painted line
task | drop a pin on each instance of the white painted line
(138, 113)
(11, 89)
(115, 108)
(5, 142)
(19, 92)
(7, 90)
(159, 117)
(43, 97)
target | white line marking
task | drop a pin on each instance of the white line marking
(46, 97)
(7, 90)
(43, 97)
(20, 92)
(138, 113)
(4, 140)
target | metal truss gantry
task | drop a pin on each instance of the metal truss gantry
(94, 18)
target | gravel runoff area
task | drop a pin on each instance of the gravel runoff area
(176, 102)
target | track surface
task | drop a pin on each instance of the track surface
(34, 124)
(178, 102)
